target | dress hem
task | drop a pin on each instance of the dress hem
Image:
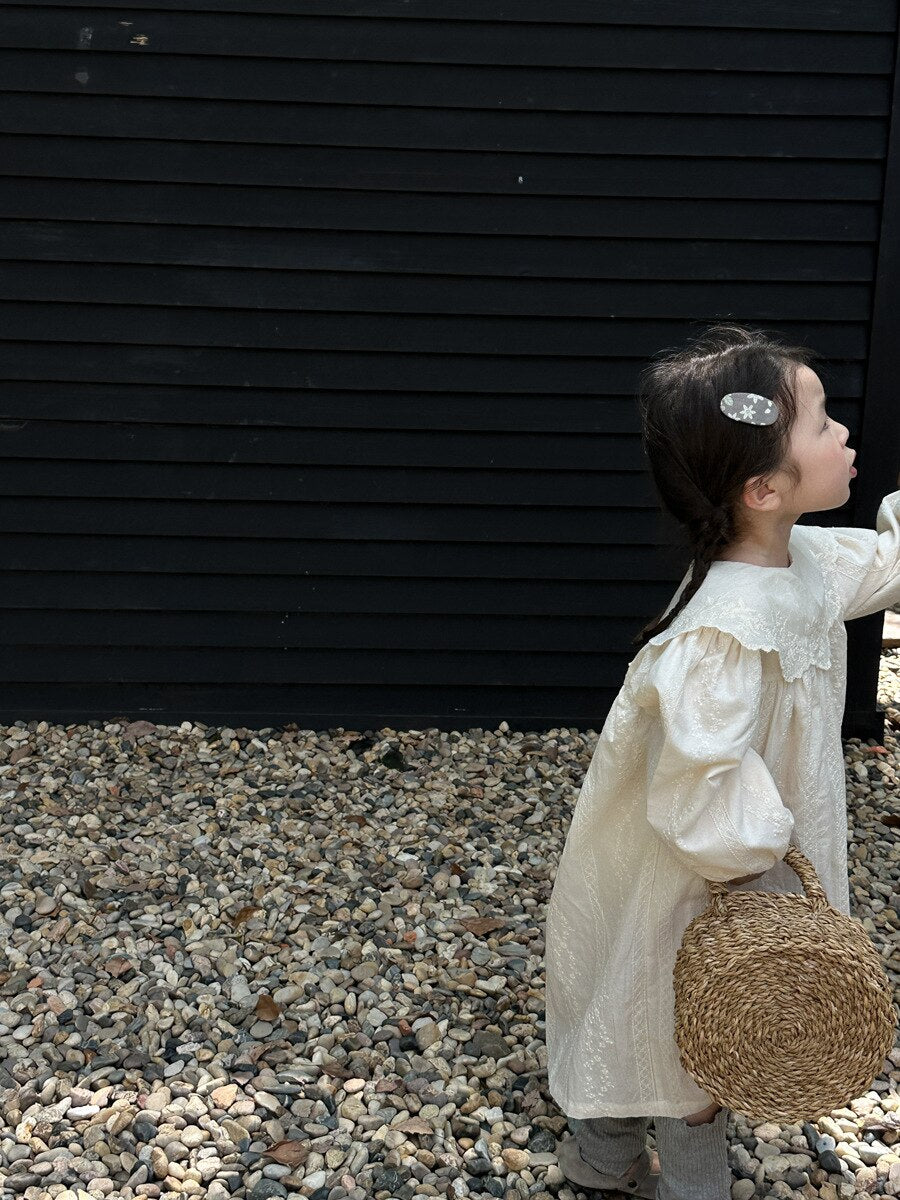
(655, 1108)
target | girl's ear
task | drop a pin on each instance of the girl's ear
(758, 493)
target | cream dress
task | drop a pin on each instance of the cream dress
(722, 746)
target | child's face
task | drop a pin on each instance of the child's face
(819, 446)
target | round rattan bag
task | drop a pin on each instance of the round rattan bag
(783, 1008)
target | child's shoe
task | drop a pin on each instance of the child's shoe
(639, 1180)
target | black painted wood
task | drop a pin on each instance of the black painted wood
(770, 14)
(321, 324)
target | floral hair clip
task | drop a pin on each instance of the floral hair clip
(749, 408)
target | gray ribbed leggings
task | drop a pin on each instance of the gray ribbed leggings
(693, 1159)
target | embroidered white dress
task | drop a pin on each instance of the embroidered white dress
(722, 746)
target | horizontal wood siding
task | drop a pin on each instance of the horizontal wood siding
(322, 324)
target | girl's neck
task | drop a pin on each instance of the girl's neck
(766, 545)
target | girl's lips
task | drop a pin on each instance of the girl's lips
(853, 472)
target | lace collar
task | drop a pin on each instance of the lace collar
(790, 610)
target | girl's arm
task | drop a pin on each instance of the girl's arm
(867, 562)
(710, 796)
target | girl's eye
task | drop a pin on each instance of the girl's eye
(825, 426)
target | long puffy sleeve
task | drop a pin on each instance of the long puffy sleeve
(867, 561)
(710, 796)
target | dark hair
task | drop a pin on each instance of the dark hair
(701, 459)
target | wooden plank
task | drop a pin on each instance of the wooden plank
(302, 125)
(150, 517)
(397, 333)
(404, 485)
(857, 83)
(402, 488)
(255, 408)
(348, 556)
(428, 254)
(767, 14)
(298, 38)
(187, 204)
(320, 557)
(298, 370)
(264, 706)
(281, 666)
(297, 629)
(372, 448)
(554, 449)
(335, 291)
(655, 172)
(289, 591)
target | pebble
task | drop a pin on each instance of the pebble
(766, 1149)
(742, 1189)
(830, 1162)
(243, 964)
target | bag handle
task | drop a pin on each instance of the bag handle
(802, 868)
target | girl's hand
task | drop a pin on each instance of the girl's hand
(745, 879)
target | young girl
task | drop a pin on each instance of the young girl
(722, 747)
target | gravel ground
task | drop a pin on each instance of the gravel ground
(260, 963)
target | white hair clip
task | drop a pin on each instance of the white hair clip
(749, 408)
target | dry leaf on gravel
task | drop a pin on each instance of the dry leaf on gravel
(289, 1153)
(481, 925)
(335, 1070)
(245, 914)
(414, 1125)
(266, 1008)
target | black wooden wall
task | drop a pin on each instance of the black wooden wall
(322, 322)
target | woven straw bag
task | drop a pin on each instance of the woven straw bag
(782, 1005)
